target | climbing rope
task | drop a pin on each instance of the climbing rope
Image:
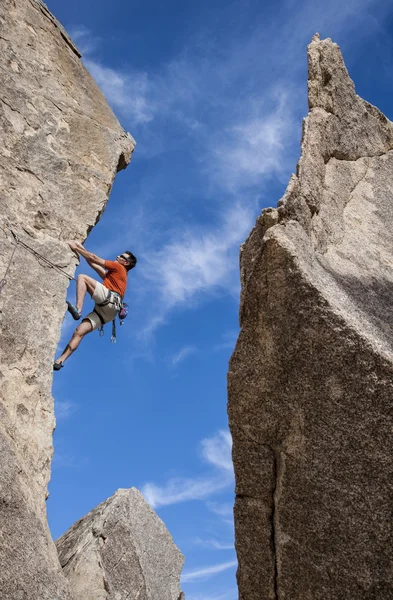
(3, 281)
(37, 255)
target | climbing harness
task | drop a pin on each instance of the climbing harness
(122, 312)
(37, 255)
(101, 329)
(113, 336)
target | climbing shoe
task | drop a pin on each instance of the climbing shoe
(57, 366)
(74, 311)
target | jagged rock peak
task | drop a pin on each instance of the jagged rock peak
(311, 380)
(120, 550)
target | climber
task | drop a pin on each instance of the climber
(107, 295)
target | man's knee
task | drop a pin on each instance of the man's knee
(88, 281)
(84, 328)
(80, 331)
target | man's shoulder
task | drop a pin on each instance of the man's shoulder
(111, 264)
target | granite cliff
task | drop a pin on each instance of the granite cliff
(311, 377)
(60, 149)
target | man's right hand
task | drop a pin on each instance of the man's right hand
(89, 256)
(73, 245)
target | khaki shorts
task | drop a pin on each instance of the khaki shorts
(107, 312)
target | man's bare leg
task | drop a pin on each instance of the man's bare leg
(84, 284)
(83, 329)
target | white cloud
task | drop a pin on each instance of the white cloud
(207, 572)
(234, 104)
(153, 323)
(216, 451)
(64, 409)
(182, 264)
(126, 92)
(181, 490)
(221, 509)
(83, 39)
(198, 260)
(182, 354)
(254, 147)
(215, 544)
(216, 84)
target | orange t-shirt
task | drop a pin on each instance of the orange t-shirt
(116, 277)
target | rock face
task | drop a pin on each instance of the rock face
(60, 149)
(311, 378)
(121, 550)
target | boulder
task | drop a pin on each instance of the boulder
(121, 550)
(311, 378)
(60, 149)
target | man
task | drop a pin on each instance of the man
(107, 295)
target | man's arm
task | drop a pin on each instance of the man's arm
(96, 263)
(100, 270)
(89, 256)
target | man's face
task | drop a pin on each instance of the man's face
(123, 259)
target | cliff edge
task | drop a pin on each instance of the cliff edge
(310, 381)
(60, 149)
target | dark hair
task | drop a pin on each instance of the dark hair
(132, 260)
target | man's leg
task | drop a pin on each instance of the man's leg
(84, 284)
(83, 329)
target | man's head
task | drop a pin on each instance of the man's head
(127, 259)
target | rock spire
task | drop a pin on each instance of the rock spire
(311, 378)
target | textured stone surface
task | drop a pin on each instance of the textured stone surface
(121, 550)
(60, 149)
(310, 381)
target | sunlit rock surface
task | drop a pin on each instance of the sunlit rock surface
(121, 550)
(310, 381)
(60, 149)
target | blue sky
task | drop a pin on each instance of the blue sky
(214, 94)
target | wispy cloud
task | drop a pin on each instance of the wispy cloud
(254, 147)
(126, 92)
(233, 107)
(199, 260)
(207, 572)
(221, 509)
(215, 544)
(84, 39)
(217, 452)
(228, 341)
(182, 354)
(64, 409)
(243, 142)
(182, 489)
